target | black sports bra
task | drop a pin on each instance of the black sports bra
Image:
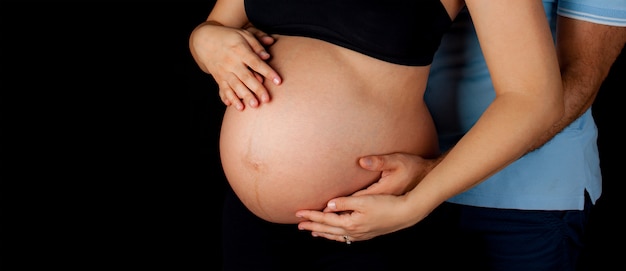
(405, 32)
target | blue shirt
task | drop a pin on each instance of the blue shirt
(609, 12)
(553, 177)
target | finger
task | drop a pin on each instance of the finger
(230, 98)
(254, 82)
(259, 78)
(245, 78)
(335, 237)
(266, 39)
(244, 84)
(257, 63)
(224, 97)
(243, 93)
(314, 219)
(261, 67)
(263, 37)
(346, 205)
(379, 162)
(323, 223)
(253, 38)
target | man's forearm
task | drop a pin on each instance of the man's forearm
(586, 53)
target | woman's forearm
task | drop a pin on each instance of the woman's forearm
(523, 65)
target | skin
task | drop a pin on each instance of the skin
(238, 84)
(586, 52)
(524, 68)
(272, 155)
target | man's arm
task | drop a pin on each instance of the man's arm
(586, 53)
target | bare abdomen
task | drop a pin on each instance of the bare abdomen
(302, 148)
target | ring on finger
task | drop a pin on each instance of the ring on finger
(347, 239)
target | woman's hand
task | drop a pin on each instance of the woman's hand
(236, 60)
(263, 37)
(400, 172)
(380, 209)
(358, 218)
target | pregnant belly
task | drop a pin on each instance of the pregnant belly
(302, 149)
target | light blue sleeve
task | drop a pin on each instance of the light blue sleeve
(607, 12)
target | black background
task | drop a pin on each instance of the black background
(110, 131)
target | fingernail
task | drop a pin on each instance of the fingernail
(253, 103)
(264, 54)
(265, 98)
(276, 80)
(367, 161)
(332, 205)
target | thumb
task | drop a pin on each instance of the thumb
(340, 205)
(379, 162)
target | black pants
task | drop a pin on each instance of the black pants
(508, 239)
(453, 237)
(250, 243)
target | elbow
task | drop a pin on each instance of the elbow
(548, 105)
(554, 107)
